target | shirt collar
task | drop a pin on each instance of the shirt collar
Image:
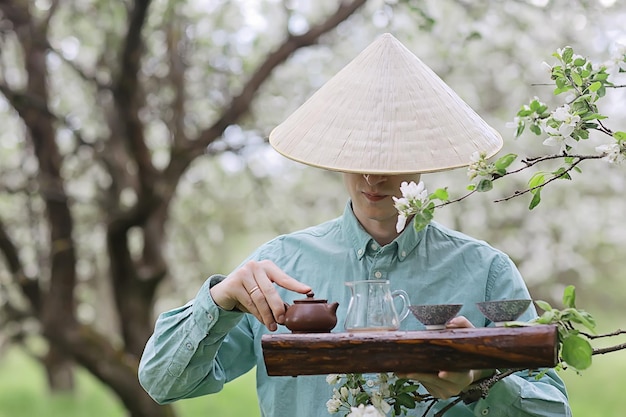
(360, 239)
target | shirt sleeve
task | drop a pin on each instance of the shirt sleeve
(195, 349)
(521, 394)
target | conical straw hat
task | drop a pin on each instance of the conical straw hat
(385, 112)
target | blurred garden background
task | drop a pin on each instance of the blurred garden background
(134, 164)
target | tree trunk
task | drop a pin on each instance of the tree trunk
(115, 368)
(59, 370)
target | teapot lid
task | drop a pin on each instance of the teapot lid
(310, 299)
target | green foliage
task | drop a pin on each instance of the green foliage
(574, 349)
(400, 394)
(504, 162)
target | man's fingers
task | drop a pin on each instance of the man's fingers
(443, 384)
(459, 322)
(252, 289)
(279, 277)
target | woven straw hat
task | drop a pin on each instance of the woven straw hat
(385, 112)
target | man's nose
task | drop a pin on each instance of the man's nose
(373, 179)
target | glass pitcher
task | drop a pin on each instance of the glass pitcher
(372, 307)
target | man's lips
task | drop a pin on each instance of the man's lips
(374, 196)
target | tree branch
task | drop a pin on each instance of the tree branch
(128, 102)
(529, 163)
(599, 336)
(240, 104)
(602, 351)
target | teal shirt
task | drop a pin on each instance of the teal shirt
(197, 348)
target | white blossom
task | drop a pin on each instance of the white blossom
(511, 125)
(560, 137)
(564, 114)
(401, 204)
(401, 223)
(613, 153)
(380, 404)
(384, 388)
(478, 164)
(617, 62)
(332, 379)
(412, 191)
(364, 411)
(333, 405)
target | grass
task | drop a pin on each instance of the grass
(23, 393)
(599, 390)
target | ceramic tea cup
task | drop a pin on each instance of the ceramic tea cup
(502, 311)
(435, 316)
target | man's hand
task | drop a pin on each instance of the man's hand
(251, 290)
(445, 384)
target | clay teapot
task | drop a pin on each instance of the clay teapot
(311, 315)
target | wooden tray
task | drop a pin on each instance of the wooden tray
(291, 354)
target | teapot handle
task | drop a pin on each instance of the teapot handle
(402, 314)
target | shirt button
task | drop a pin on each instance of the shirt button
(189, 346)
(377, 274)
(485, 411)
(374, 246)
(360, 252)
(210, 316)
(403, 254)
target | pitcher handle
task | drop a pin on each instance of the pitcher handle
(405, 303)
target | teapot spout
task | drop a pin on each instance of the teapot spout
(333, 307)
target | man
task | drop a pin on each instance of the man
(382, 120)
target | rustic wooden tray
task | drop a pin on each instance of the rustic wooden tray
(291, 354)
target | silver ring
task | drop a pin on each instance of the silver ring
(253, 290)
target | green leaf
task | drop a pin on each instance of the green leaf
(424, 217)
(577, 79)
(619, 135)
(536, 180)
(535, 105)
(536, 199)
(536, 129)
(577, 352)
(441, 194)
(594, 116)
(568, 53)
(362, 398)
(484, 185)
(406, 400)
(505, 161)
(569, 296)
(584, 318)
(544, 305)
(583, 134)
(562, 173)
(595, 86)
(546, 317)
